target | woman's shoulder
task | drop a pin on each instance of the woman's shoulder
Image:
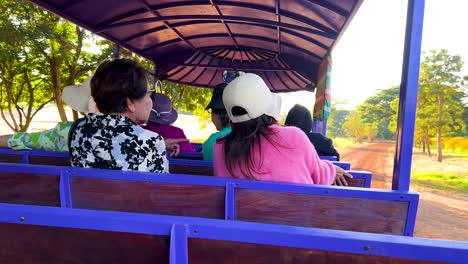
(145, 133)
(289, 131)
(319, 137)
(177, 130)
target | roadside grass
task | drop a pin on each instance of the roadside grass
(442, 181)
(454, 146)
(455, 153)
(446, 153)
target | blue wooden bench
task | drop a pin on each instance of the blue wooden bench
(197, 146)
(199, 156)
(203, 167)
(330, 158)
(354, 209)
(61, 235)
(179, 166)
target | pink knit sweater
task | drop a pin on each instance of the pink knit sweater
(292, 158)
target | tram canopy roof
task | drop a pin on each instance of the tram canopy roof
(193, 42)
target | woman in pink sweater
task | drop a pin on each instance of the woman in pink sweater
(258, 149)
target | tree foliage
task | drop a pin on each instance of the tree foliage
(355, 126)
(39, 55)
(440, 99)
(371, 131)
(189, 99)
(377, 113)
(23, 92)
(337, 118)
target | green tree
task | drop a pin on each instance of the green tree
(189, 99)
(425, 120)
(337, 118)
(371, 131)
(355, 126)
(440, 100)
(22, 90)
(424, 128)
(377, 113)
(59, 44)
(40, 54)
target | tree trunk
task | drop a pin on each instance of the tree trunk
(28, 115)
(439, 144)
(55, 72)
(75, 115)
(9, 89)
(423, 146)
(2, 113)
(439, 130)
(428, 145)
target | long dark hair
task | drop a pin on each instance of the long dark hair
(239, 144)
(300, 117)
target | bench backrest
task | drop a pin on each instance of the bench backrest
(330, 158)
(190, 155)
(85, 236)
(178, 166)
(355, 209)
(197, 146)
(199, 156)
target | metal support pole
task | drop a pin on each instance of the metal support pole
(408, 96)
(324, 127)
(316, 127)
(155, 77)
(116, 51)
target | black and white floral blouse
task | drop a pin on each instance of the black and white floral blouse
(115, 142)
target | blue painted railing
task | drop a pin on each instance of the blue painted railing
(181, 229)
(231, 185)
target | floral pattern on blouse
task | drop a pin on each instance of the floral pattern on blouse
(55, 139)
(115, 142)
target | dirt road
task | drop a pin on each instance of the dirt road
(440, 215)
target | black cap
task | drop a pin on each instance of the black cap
(217, 98)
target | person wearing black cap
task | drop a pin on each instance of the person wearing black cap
(220, 119)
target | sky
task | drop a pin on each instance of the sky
(369, 55)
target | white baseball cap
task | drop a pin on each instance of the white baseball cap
(250, 92)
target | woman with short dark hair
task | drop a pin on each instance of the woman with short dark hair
(258, 149)
(300, 117)
(114, 139)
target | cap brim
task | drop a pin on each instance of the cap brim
(210, 105)
(215, 104)
(165, 119)
(275, 108)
